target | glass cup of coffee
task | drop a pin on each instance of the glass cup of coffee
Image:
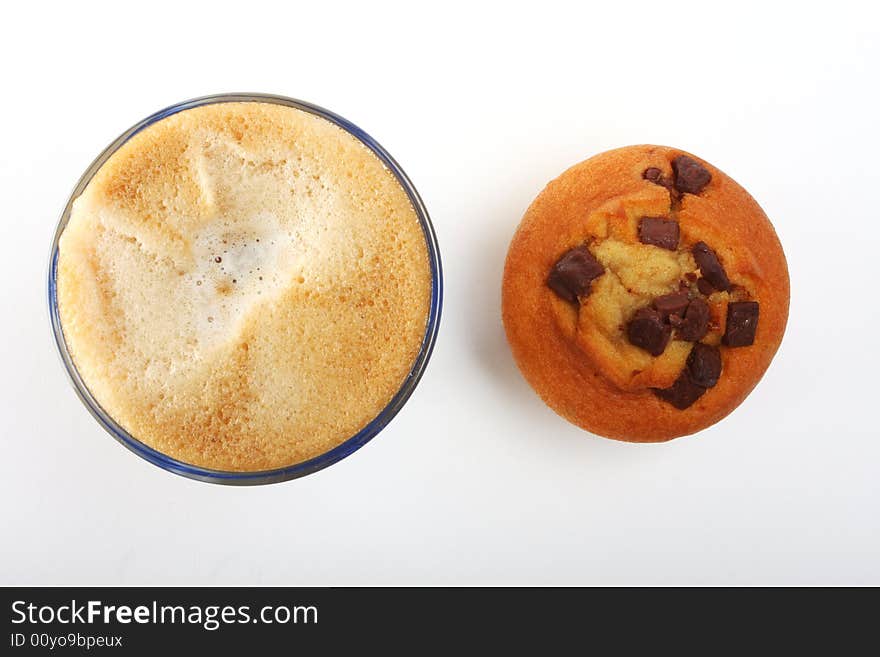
(244, 288)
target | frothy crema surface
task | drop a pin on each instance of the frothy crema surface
(243, 286)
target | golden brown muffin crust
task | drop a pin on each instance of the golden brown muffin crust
(576, 356)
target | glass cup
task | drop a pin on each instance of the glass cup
(298, 469)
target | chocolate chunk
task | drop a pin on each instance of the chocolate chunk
(705, 287)
(704, 365)
(690, 176)
(691, 276)
(710, 266)
(701, 372)
(672, 304)
(647, 330)
(653, 174)
(573, 273)
(696, 321)
(742, 322)
(682, 393)
(659, 232)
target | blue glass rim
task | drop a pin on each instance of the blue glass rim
(339, 452)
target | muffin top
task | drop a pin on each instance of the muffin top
(243, 286)
(645, 293)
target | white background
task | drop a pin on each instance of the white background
(476, 481)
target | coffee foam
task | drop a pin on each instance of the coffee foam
(243, 286)
(237, 268)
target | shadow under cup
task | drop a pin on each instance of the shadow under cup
(351, 444)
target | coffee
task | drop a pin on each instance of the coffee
(243, 286)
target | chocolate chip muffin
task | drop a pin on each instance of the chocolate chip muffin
(645, 294)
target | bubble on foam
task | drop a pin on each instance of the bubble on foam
(236, 266)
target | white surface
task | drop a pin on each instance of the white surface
(476, 481)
